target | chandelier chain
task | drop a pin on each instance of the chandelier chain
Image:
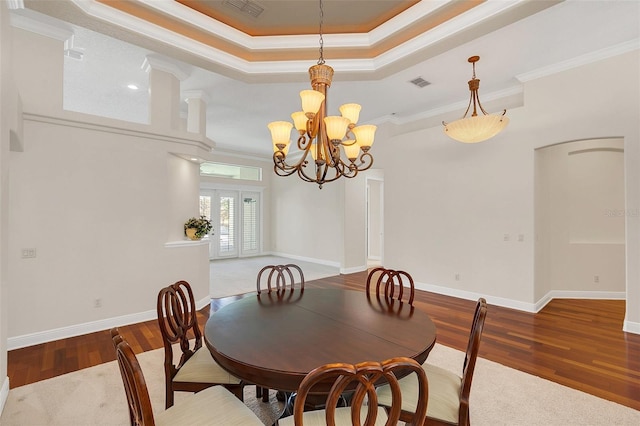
(321, 59)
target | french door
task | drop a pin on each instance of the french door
(235, 216)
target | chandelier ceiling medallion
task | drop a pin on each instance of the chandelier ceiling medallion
(475, 128)
(321, 136)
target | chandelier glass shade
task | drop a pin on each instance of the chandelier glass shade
(331, 146)
(475, 128)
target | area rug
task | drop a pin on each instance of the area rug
(238, 276)
(499, 396)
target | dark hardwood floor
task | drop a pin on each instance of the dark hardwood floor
(577, 343)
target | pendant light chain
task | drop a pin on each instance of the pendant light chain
(321, 59)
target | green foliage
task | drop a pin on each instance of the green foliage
(202, 225)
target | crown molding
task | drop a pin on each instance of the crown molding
(458, 106)
(487, 10)
(222, 151)
(579, 61)
(219, 29)
(44, 25)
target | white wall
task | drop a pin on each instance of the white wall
(102, 202)
(307, 222)
(450, 206)
(354, 234)
(7, 114)
(375, 218)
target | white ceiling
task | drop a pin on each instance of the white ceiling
(570, 33)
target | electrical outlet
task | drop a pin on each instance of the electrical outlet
(457, 276)
(97, 303)
(28, 253)
(521, 237)
(596, 278)
(506, 237)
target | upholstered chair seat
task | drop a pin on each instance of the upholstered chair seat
(444, 394)
(448, 393)
(191, 368)
(201, 367)
(212, 406)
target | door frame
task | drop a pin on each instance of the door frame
(216, 188)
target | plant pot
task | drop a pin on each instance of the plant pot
(191, 233)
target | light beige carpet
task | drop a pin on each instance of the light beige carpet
(237, 276)
(95, 396)
(500, 396)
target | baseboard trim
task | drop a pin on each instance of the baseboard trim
(18, 342)
(25, 340)
(353, 269)
(631, 327)
(470, 295)
(4, 393)
(524, 306)
(306, 259)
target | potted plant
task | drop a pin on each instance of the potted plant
(196, 228)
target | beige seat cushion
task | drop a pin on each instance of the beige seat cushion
(343, 417)
(444, 393)
(201, 367)
(212, 406)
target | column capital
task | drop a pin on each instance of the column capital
(196, 94)
(162, 63)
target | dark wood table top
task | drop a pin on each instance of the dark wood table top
(274, 340)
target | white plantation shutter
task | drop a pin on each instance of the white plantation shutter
(227, 234)
(249, 223)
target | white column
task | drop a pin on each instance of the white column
(164, 91)
(197, 111)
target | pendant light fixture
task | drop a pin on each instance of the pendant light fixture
(475, 128)
(320, 136)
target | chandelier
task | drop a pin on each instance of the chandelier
(320, 136)
(476, 128)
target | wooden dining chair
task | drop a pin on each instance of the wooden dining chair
(212, 406)
(279, 277)
(196, 369)
(449, 403)
(363, 378)
(391, 284)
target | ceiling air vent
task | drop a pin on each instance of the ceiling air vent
(420, 82)
(245, 6)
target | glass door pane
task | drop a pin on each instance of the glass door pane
(207, 210)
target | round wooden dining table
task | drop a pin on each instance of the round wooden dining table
(274, 339)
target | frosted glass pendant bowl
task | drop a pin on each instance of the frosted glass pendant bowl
(476, 127)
